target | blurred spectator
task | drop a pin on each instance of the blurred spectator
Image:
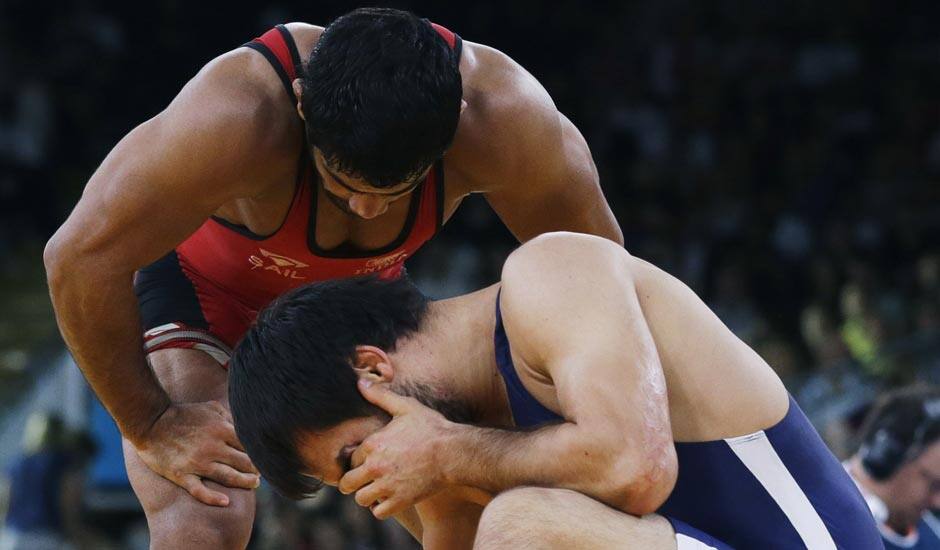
(897, 467)
(862, 329)
(821, 336)
(45, 488)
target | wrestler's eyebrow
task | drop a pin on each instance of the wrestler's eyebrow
(348, 187)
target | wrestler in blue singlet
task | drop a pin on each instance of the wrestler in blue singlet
(776, 488)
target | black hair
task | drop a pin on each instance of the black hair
(381, 95)
(901, 426)
(292, 371)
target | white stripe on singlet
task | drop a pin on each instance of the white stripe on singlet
(685, 542)
(758, 455)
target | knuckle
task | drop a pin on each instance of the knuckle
(218, 430)
(377, 469)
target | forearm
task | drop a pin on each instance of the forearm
(449, 522)
(497, 460)
(99, 319)
(411, 521)
(560, 455)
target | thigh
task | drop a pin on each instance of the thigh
(531, 517)
(187, 375)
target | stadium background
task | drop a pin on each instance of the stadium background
(781, 158)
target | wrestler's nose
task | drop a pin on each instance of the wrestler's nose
(368, 206)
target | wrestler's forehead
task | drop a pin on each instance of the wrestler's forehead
(322, 451)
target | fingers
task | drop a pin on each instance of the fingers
(194, 486)
(354, 480)
(381, 396)
(230, 477)
(388, 508)
(370, 494)
(230, 437)
(358, 457)
(239, 461)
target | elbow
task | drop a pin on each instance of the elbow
(61, 262)
(643, 484)
(52, 259)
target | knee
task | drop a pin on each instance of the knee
(188, 523)
(516, 517)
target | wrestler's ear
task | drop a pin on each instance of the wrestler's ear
(298, 87)
(373, 364)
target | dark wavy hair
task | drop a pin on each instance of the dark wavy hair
(381, 95)
(291, 372)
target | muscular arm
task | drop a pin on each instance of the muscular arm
(157, 186)
(579, 324)
(536, 169)
(449, 518)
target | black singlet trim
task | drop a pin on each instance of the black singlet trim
(292, 48)
(166, 295)
(345, 250)
(458, 47)
(276, 63)
(245, 232)
(439, 170)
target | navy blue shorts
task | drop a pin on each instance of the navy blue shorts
(778, 488)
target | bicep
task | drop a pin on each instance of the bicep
(573, 305)
(156, 187)
(132, 209)
(554, 185)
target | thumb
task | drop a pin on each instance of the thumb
(381, 396)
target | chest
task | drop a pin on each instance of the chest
(334, 227)
(329, 221)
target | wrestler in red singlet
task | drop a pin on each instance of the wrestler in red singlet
(207, 291)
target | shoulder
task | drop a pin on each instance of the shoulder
(305, 36)
(559, 256)
(508, 114)
(497, 83)
(556, 284)
(238, 88)
(236, 111)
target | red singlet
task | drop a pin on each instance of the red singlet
(235, 273)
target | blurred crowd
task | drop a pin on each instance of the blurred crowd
(782, 158)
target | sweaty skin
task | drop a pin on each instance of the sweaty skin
(629, 356)
(227, 146)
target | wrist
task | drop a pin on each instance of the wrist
(453, 454)
(139, 428)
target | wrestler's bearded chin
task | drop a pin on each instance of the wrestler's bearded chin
(455, 410)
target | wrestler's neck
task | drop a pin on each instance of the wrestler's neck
(454, 353)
